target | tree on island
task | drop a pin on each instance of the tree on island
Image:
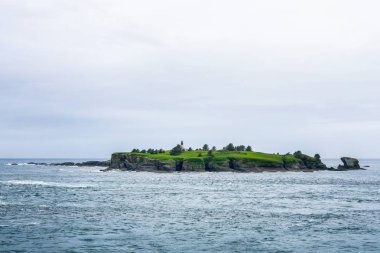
(249, 148)
(135, 150)
(205, 147)
(240, 148)
(177, 150)
(317, 157)
(298, 154)
(190, 149)
(230, 147)
(213, 148)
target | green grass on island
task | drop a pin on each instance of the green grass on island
(201, 156)
(223, 155)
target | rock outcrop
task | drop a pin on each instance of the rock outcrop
(312, 163)
(94, 164)
(137, 163)
(349, 163)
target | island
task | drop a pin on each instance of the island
(228, 159)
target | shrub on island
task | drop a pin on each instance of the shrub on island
(177, 150)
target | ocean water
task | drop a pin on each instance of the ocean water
(70, 209)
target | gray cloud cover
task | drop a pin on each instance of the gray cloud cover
(87, 78)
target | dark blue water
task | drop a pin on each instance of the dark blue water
(69, 209)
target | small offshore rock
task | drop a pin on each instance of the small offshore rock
(64, 164)
(349, 163)
(106, 169)
(33, 163)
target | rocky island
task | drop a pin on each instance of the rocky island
(228, 159)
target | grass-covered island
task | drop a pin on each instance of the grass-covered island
(230, 158)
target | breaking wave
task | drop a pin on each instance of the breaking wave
(50, 184)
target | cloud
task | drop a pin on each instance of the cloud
(87, 78)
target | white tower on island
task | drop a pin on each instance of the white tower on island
(182, 147)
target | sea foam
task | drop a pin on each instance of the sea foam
(50, 184)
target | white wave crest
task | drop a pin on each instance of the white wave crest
(3, 203)
(18, 164)
(52, 184)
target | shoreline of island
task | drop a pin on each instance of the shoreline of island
(240, 159)
(228, 159)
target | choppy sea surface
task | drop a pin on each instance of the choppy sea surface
(70, 209)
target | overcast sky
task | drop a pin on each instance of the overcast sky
(85, 78)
